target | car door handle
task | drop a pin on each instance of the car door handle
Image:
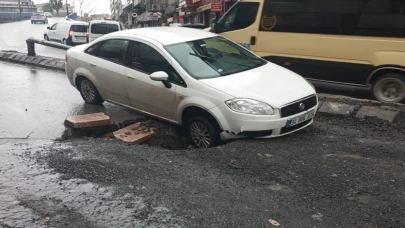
(130, 77)
(93, 65)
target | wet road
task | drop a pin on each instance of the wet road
(339, 172)
(35, 102)
(13, 36)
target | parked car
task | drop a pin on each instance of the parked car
(67, 32)
(39, 17)
(213, 87)
(48, 15)
(99, 28)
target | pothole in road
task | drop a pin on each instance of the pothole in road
(167, 136)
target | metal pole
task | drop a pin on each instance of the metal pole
(19, 7)
(67, 9)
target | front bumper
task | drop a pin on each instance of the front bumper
(239, 125)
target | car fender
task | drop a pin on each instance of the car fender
(86, 73)
(198, 102)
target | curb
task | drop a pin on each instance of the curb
(343, 106)
(39, 61)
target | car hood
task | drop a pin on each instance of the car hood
(269, 83)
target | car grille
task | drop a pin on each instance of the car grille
(286, 130)
(294, 108)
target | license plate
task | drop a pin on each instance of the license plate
(302, 118)
(80, 37)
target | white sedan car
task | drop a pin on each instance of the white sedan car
(213, 87)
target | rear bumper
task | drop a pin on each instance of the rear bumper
(71, 43)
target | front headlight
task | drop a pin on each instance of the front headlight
(250, 106)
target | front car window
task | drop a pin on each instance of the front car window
(101, 28)
(146, 59)
(213, 57)
(240, 16)
(54, 27)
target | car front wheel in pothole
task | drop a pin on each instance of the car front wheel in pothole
(202, 132)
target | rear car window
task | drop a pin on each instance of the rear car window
(37, 14)
(79, 28)
(103, 28)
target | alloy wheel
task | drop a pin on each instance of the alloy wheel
(200, 135)
(88, 90)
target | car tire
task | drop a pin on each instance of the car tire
(389, 88)
(89, 92)
(64, 41)
(46, 38)
(203, 132)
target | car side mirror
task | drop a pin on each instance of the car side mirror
(49, 28)
(161, 76)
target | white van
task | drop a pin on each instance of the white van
(99, 28)
(67, 32)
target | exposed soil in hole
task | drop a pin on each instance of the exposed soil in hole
(167, 136)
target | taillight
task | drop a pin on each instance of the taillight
(66, 58)
(70, 33)
(87, 34)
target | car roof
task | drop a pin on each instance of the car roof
(75, 22)
(168, 35)
(104, 21)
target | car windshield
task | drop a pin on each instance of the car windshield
(213, 57)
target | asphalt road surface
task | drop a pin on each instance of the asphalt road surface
(13, 36)
(339, 172)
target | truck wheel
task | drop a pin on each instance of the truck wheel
(389, 88)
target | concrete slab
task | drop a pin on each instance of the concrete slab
(88, 120)
(29, 59)
(37, 60)
(44, 62)
(6, 55)
(383, 113)
(12, 56)
(337, 108)
(18, 57)
(134, 134)
(51, 63)
(23, 58)
(60, 65)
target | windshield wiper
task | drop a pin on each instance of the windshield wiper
(207, 57)
(248, 57)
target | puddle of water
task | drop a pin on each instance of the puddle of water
(23, 182)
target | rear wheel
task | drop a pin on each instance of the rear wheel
(46, 37)
(64, 41)
(89, 92)
(390, 88)
(203, 132)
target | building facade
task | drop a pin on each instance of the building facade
(10, 10)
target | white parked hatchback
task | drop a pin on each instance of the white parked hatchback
(213, 87)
